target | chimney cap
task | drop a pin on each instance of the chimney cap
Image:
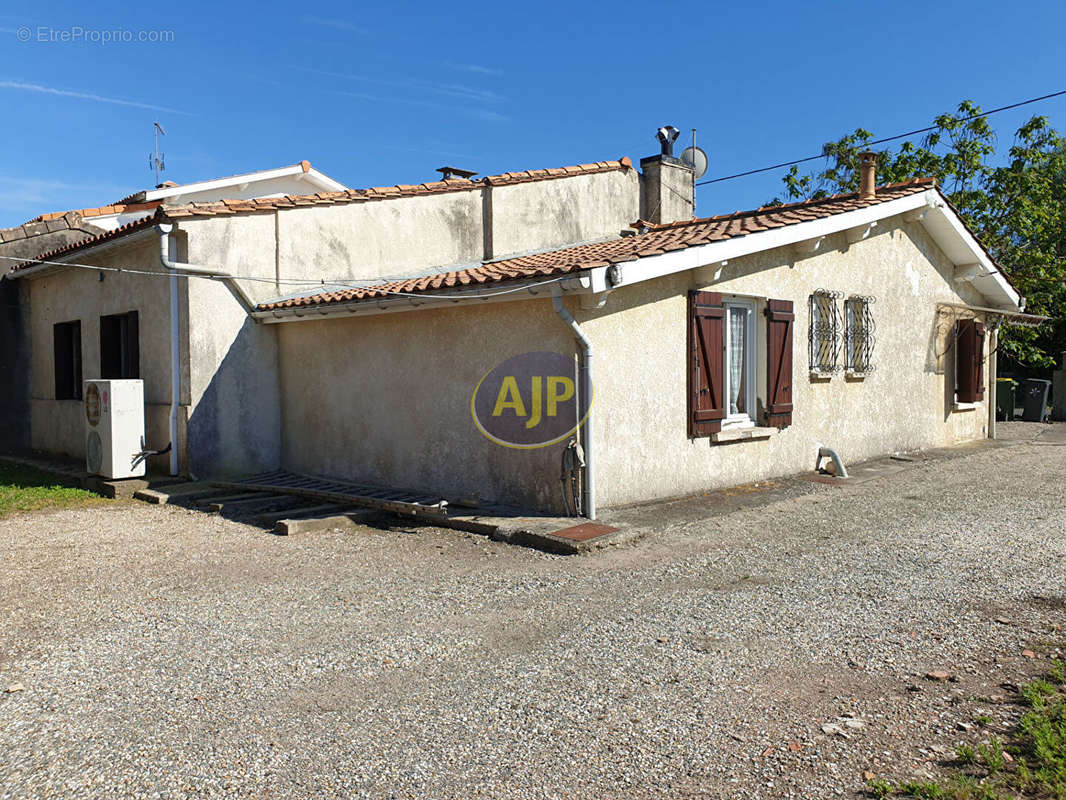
(454, 173)
(868, 175)
(667, 135)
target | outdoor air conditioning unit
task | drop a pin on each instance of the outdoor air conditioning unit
(114, 428)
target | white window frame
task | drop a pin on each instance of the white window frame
(744, 420)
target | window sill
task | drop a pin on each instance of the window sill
(742, 434)
(821, 375)
(856, 375)
(957, 406)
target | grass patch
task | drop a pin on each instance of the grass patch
(24, 488)
(1031, 764)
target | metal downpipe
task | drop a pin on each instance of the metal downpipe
(588, 486)
(175, 344)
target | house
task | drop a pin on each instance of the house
(53, 231)
(352, 333)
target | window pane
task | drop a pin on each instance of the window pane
(738, 359)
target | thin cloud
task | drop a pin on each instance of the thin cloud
(477, 69)
(336, 24)
(477, 113)
(93, 98)
(32, 196)
(455, 90)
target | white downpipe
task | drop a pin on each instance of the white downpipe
(588, 490)
(167, 252)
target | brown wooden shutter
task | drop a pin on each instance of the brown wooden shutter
(780, 321)
(969, 361)
(706, 407)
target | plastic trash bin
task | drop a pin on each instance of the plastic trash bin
(1034, 399)
(1005, 398)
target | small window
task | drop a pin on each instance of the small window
(120, 346)
(858, 334)
(824, 335)
(66, 340)
(739, 363)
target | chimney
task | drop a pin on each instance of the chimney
(455, 174)
(868, 176)
(666, 184)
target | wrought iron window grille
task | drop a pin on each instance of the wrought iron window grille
(859, 330)
(823, 340)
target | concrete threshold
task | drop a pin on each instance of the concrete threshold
(558, 535)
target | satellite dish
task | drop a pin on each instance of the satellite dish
(695, 158)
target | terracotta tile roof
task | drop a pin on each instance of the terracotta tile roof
(129, 227)
(654, 240)
(116, 208)
(227, 207)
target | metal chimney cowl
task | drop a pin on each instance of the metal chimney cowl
(667, 135)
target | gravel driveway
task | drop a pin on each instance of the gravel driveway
(167, 653)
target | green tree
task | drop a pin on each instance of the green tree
(1017, 209)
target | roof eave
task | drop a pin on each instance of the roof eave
(313, 176)
(931, 210)
(57, 263)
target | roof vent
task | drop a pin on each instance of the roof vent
(667, 135)
(455, 174)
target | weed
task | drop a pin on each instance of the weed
(929, 790)
(1033, 766)
(991, 755)
(1036, 692)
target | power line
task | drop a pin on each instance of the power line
(325, 284)
(881, 141)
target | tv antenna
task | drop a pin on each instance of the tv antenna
(155, 160)
(697, 159)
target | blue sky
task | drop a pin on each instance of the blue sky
(384, 93)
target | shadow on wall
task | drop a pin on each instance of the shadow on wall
(15, 367)
(235, 428)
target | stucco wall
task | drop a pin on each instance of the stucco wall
(386, 400)
(420, 234)
(643, 448)
(58, 426)
(234, 409)
(24, 241)
(533, 216)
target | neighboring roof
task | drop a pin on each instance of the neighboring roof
(317, 179)
(122, 207)
(165, 212)
(129, 227)
(26, 240)
(655, 240)
(151, 199)
(228, 207)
